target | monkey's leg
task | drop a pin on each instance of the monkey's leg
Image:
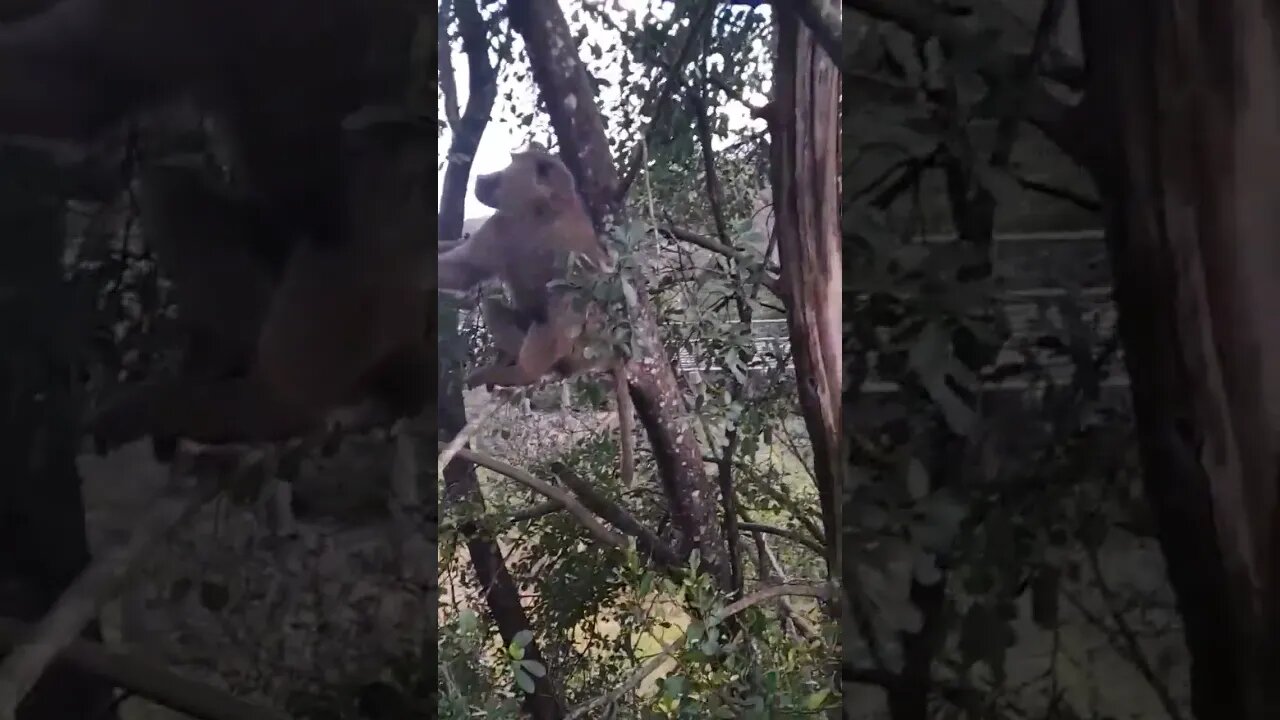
(337, 316)
(508, 327)
(205, 360)
(506, 324)
(401, 383)
(544, 345)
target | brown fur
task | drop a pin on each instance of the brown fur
(355, 313)
(346, 310)
(209, 244)
(278, 75)
(539, 221)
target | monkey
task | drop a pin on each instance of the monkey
(278, 75)
(358, 311)
(280, 78)
(223, 256)
(539, 221)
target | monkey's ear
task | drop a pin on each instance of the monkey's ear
(536, 147)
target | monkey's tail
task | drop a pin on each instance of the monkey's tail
(626, 425)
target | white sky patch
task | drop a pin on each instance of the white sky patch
(504, 134)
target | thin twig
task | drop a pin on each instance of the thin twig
(455, 444)
(791, 535)
(94, 587)
(585, 517)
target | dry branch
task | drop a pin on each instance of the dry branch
(147, 680)
(94, 587)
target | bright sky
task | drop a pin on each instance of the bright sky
(503, 135)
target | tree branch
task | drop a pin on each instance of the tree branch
(445, 76)
(706, 243)
(1078, 199)
(94, 587)
(791, 535)
(588, 510)
(646, 540)
(656, 103)
(147, 680)
(633, 681)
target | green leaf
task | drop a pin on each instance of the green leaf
(214, 596)
(940, 517)
(468, 621)
(925, 569)
(522, 638)
(629, 293)
(815, 701)
(917, 479)
(931, 357)
(673, 686)
(524, 681)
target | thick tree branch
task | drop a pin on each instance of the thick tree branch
(566, 93)
(501, 593)
(647, 542)
(482, 90)
(445, 75)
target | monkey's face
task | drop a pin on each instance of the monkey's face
(534, 181)
(487, 189)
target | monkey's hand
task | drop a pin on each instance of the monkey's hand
(478, 377)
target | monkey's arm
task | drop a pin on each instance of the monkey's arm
(77, 67)
(459, 269)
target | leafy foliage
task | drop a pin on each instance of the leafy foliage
(992, 498)
(599, 614)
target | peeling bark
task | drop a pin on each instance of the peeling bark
(1190, 95)
(804, 123)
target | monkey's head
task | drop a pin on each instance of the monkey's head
(535, 182)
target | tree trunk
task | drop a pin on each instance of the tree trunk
(569, 100)
(42, 533)
(804, 123)
(1191, 100)
(462, 489)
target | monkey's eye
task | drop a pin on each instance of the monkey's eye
(543, 169)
